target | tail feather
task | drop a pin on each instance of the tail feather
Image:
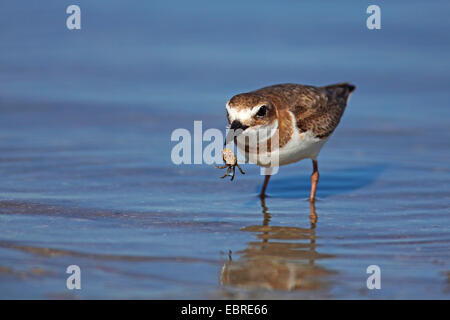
(340, 90)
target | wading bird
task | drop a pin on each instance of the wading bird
(302, 116)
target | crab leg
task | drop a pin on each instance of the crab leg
(234, 172)
(220, 167)
(240, 169)
(226, 173)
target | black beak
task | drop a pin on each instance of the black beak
(235, 126)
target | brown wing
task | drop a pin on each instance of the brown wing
(319, 109)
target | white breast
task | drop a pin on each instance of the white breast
(302, 145)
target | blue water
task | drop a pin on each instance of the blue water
(87, 178)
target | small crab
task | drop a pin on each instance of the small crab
(230, 163)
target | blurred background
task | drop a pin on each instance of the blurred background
(86, 176)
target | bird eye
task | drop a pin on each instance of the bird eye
(262, 111)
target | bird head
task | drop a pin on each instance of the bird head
(251, 114)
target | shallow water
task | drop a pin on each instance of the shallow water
(87, 178)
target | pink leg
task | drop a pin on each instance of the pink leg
(314, 181)
(263, 191)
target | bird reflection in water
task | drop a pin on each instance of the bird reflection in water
(283, 259)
